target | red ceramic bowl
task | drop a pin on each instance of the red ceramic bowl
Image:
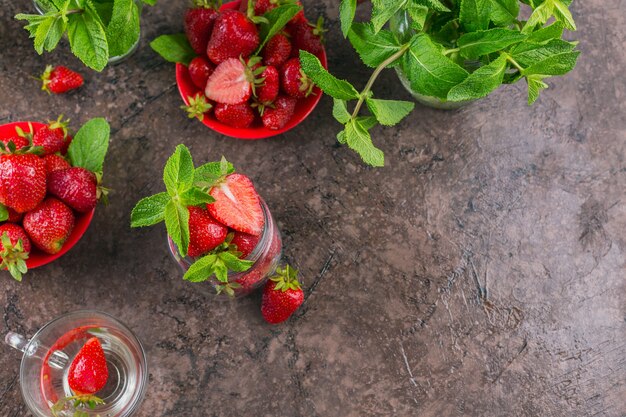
(304, 107)
(38, 258)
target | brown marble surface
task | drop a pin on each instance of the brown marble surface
(480, 273)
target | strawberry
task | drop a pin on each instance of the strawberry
(237, 205)
(245, 243)
(276, 117)
(49, 225)
(198, 106)
(282, 295)
(205, 234)
(232, 81)
(299, 18)
(55, 162)
(22, 181)
(88, 372)
(199, 21)
(75, 186)
(53, 137)
(236, 115)
(200, 69)
(294, 81)
(19, 142)
(14, 249)
(260, 6)
(60, 79)
(308, 37)
(277, 50)
(268, 91)
(14, 216)
(234, 35)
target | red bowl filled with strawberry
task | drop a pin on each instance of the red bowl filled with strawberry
(49, 187)
(238, 68)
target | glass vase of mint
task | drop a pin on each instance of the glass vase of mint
(447, 53)
(219, 230)
(99, 32)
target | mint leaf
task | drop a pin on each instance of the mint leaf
(233, 262)
(535, 85)
(123, 29)
(178, 172)
(277, 19)
(340, 111)
(359, 139)
(150, 2)
(373, 48)
(503, 12)
(90, 145)
(205, 176)
(474, 15)
(389, 112)
(332, 86)
(557, 64)
(88, 38)
(475, 44)
(383, 10)
(220, 270)
(428, 70)
(149, 210)
(531, 53)
(4, 213)
(418, 15)
(177, 224)
(49, 33)
(547, 9)
(201, 270)
(546, 34)
(196, 197)
(174, 48)
(367, 122)
(347, 10)
(481, 82)
(433, 4)
(563, 15)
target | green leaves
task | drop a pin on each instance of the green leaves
(383, 10)
(174, 48)
(4, 213)
(90, 145)
(150, 210)
(481, 82)
(358, 139)
(389, 112)
(277, 18)
(475, 44)
(373, 48)
(474, 14)
(332, 86)
(535, 85)
(557, 64)
(179, 171)
(347, 9)
(88, 39)
(177, 224)
(123, 29)
(543, 12)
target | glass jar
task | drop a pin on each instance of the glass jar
(266, 256)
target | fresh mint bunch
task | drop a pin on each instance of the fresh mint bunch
(451, 50)
(96, 29)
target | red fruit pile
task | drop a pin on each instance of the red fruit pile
(243, 89)
(41, 192)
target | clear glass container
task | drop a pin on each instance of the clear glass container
(47, 357)
(266, 257)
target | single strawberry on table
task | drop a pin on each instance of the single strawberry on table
(199, 21)
(60, 79)
(205, 234)
(279, 114)
(22, 181)
(282, 295)
(14, 249)
(234, 35)
(75, 186)
(49, 225)
(237, 205)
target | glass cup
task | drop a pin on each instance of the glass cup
(266, 256)
(41, 9)
(47, 357)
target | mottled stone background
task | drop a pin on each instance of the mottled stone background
(480, 273)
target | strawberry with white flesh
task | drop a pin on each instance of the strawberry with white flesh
(282, 295)
(237, 205)
(233, 81)
(14, 249)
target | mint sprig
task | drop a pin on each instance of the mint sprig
(96, 29)
(453, 51)
(90, 145)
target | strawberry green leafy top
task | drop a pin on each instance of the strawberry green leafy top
(455, 50)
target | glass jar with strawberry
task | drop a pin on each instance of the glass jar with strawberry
(219, 229)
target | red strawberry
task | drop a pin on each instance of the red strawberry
(88, 372)
(234, 36)
(200, 69)
(299, 17)
(308, 37)
(199, 23)
(268, 90)
(231, 82)
(14, 216)
(75, 186)
(205, 234)
(55, 162)
(49, 225)
(237, 205)
(60, 79)
(245, 243)
(52, 138)
(14, 249)
(294, 81)
(260, 6)
(236, 115)
(277, 50)
(276, 117)
(22, 181)
(282, 295)
(18, 141)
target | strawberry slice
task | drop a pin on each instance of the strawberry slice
(230, 83)
(88, 372)
(237, 205)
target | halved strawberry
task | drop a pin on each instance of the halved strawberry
(231, 82)
(88, 372)
(237, 205)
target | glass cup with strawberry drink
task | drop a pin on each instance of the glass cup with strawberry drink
(219, 229)
(84, 363)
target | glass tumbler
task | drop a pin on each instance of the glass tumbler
(47, 357)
